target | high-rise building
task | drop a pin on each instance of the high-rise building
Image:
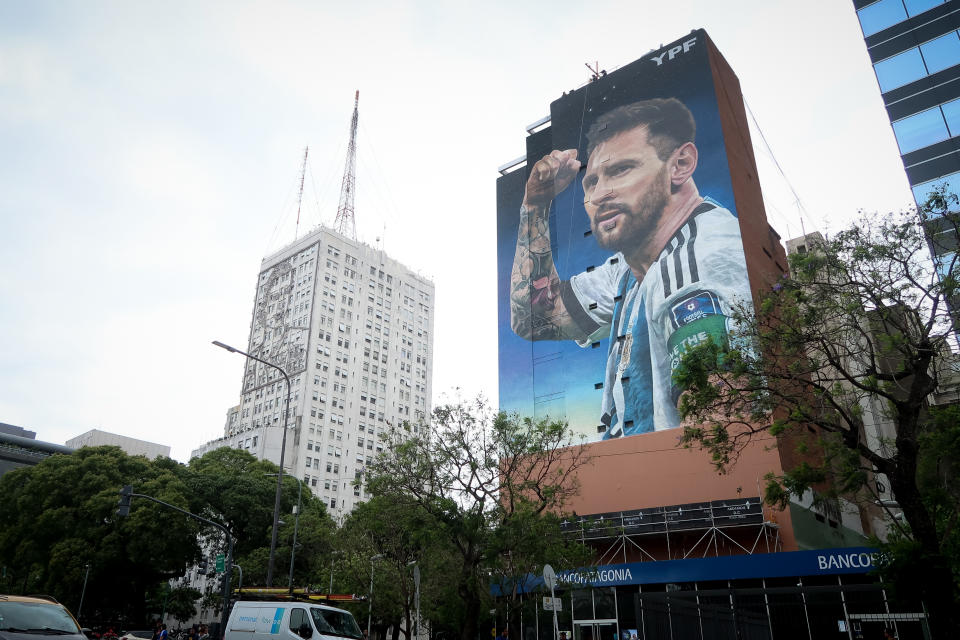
(632, 229)
(353, 329)
(914, 47)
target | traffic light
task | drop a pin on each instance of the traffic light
(202, 566)
(123, 507)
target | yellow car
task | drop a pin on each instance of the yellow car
(26, 617)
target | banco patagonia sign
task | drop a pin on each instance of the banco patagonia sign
(759, 565)
(610, 575)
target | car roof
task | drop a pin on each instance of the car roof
(284, 603)
(37, 599)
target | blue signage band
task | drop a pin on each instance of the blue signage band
(848, 560)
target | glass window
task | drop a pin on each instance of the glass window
(338, 623)
(941, 53)
(36, 616)
(298, 618)
(920, 130)
(945, 263)
(921, 191)
(951, 113)
(900, 69)
(880, 15)
(915, 7)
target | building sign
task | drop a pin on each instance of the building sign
(759, 565)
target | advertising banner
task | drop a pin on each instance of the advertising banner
(619, 247)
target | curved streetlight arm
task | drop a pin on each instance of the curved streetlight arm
(228, 569)
(283, 450)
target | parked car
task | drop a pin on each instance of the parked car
(26, 617)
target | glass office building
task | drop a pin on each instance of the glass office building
(914, 46)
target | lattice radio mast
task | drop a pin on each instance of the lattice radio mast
(303, 174)
(345, 223)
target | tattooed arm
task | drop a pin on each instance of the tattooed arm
(537, 308)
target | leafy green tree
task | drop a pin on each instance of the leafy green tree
(59, 516)
(182, 603)
(400, 532)
(315, 539)
(520, 547)
(475, 471)
(862, 325)
(232, 487)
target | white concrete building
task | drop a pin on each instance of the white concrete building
(353, 329)
(131, 446)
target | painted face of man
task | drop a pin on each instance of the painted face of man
(626, 188)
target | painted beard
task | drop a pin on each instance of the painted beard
(636, 223)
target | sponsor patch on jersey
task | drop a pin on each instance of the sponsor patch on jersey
(695, 306)
(690, 335)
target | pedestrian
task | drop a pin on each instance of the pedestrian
(163, 635)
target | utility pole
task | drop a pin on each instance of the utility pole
(344, 223)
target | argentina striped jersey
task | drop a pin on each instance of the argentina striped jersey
(685, 296)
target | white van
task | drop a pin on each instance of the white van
(289, 620)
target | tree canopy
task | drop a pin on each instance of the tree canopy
(487, 481)
(59, 516)
(840, 360)
(473, 498)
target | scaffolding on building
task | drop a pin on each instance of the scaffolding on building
(739, 523)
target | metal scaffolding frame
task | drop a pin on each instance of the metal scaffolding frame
(613, 534)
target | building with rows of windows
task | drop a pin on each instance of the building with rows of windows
(353, 329)
(914, 46)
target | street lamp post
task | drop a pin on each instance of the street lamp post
(283, 450)
(84, 591)
(370, 597)
(416, 597)
(332, 553)
(296, 527)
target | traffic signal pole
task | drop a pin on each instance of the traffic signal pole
(123, 509)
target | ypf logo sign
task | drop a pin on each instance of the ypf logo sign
(672, 52)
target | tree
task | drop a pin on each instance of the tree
(232, 487)
(862, 323)
(474, 472)
(401, 532)
(182, 603)
(520, 547)
(58, 516)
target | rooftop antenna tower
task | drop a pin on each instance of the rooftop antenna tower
(345, 223)
(303, 174)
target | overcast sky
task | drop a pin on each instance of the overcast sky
(150, 153)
